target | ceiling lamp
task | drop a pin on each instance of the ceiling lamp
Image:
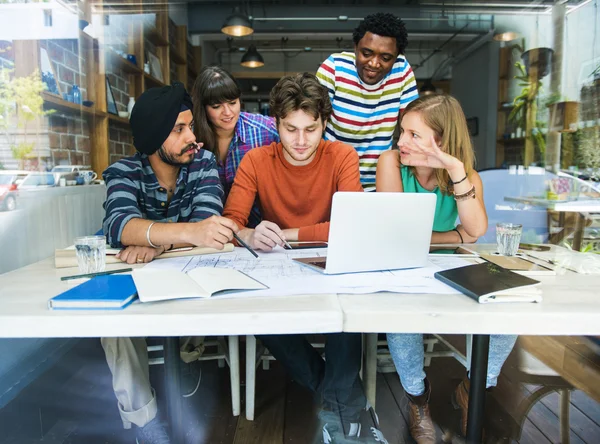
(504, 35)
(252, 58)
(427, 88)
(237, 24)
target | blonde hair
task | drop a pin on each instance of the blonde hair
(444, 115)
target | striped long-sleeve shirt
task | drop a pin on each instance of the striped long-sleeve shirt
(365, 116)
(133, 191)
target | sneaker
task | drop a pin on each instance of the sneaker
(152, 433)
(365, 430)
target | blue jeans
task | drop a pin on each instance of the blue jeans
(407, 350)
(336, 381)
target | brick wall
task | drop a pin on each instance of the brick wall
(67, 65)
(120, 141)
(68, 139)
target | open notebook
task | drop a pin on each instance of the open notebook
(203, 282)
(488, 282)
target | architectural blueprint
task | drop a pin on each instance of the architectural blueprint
(285, 277)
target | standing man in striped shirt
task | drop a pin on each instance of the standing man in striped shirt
(166, 195)
(368, 89)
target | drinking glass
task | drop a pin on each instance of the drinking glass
(91, 253)
(508, 236)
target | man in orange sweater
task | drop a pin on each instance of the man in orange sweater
(296, 178)
(294, 182)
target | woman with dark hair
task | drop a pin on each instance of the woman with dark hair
(225, 130)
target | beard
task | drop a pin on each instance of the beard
(174, 159)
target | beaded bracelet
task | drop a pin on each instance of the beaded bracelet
(467, 195)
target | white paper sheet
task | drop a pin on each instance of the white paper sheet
(286, 277)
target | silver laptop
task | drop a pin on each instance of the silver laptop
(377, 231)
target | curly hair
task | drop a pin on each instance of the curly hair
(300, 91)
(385, 25)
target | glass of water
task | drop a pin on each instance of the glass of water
(91, 253)
(508, 236)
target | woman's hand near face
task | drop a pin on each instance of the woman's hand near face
(432, 155)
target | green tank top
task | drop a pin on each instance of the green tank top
(446, 211)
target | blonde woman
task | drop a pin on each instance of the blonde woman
(436, 156)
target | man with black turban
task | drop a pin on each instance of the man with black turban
(165, 196)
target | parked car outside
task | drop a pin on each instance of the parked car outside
(9, 192)
(37, 180)
(69, 168)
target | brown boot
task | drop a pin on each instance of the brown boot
(461, 401)
(420, 423)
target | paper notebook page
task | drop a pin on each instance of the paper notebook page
(160, 285)
(501, 298)
(213, 280)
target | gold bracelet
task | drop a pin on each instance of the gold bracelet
(468, 195)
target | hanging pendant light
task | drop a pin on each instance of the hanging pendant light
(252, 58)
(237, 24)
(427, 88)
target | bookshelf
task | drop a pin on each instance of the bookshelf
(99, 60)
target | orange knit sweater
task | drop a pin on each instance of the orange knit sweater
(293, 196)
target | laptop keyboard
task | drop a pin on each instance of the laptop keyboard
(320, 263)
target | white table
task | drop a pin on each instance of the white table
(24, 313)
(570, 307)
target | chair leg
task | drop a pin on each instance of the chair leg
(220, 350)
(250, 376)
(565, 428)
(234, 372)
(469, 339)
(370, 367)
(428, 351)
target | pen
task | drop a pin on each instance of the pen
(285, 243)
(91, 275)
(289, 247)
(245, 245)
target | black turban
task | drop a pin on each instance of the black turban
(154, 115)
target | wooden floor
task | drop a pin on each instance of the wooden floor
(74, 403)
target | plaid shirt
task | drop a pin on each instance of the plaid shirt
(133, 191)
(251, 131)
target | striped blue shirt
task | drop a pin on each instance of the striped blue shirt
(133, 191)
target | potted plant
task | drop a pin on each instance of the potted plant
(540, 58)
(524, 113)
(596, 76)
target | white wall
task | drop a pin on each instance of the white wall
(26, 22)
(47, 219)
(582, 53)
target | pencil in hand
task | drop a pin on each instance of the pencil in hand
(245, 245)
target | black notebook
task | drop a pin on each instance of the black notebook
(488, 282)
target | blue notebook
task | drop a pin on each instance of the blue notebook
(110, 292)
